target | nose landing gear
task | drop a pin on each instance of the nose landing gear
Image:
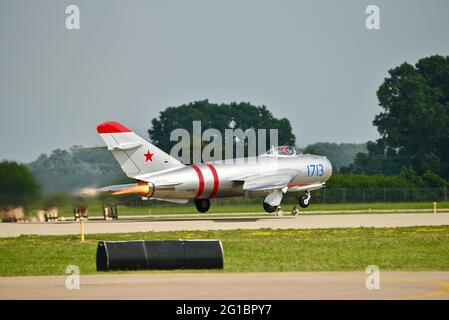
(202, 205)
(304, 200)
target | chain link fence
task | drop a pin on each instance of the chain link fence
(367, 195)
(342, 195)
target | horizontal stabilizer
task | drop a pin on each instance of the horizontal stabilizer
(125, 146)
(87, 148)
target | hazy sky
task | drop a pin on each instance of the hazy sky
(313, 62)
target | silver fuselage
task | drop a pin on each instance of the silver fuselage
(200, 181)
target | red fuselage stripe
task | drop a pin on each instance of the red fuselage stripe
(216, 181)
(200, 181)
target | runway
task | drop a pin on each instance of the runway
(296, 222)
(232, 286)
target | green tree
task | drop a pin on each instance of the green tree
(342, 154)
(414, 122)
(219, 116)
(378, 160)
(358, 181)
(18, 186)
(64, 171)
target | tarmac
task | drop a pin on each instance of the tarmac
(232, 286)
(385, 220)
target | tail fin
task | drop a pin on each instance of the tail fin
(135, 155)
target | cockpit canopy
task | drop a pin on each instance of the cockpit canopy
(283, 151)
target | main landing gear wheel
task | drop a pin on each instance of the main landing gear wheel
(268, 208)
(202, 205)
(304, 200)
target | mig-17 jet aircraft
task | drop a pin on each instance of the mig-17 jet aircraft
(160, 176)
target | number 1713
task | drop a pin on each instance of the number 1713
(315, 170)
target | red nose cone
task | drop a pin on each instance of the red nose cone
(111, 127)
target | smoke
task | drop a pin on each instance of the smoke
(88, 191)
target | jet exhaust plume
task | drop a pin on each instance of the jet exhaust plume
(89, 191)
(142, 189)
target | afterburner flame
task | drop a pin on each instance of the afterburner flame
(142, 189)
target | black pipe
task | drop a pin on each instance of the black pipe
(159, 254)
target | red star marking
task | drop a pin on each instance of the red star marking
(148, 156)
